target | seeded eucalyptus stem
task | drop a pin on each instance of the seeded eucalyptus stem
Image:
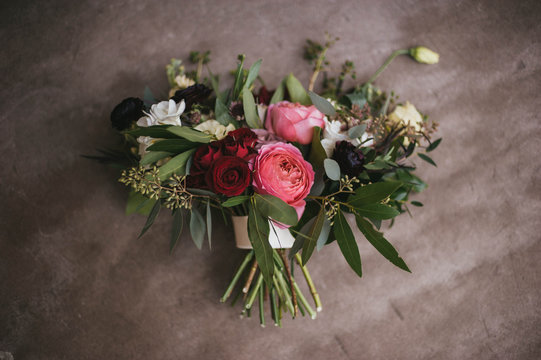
(310, 283)
(237, 276)
(386, 63)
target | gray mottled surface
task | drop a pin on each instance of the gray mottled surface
(75, 283)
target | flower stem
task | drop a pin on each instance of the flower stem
(250, 277)
(317, 69)
(310, 283)
(274, 308)
(304, 302)
(386, 63)
(261, 309)
(254, 292)
(237, 276)
(290, 278)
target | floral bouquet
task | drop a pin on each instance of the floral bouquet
(284, 166)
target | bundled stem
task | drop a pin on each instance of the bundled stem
(310, 283)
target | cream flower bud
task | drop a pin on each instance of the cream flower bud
(424, 55)
(213, 127)
(183, 81)
(408, 115)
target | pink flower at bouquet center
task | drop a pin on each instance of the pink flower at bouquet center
(293, 121)
(281, 171)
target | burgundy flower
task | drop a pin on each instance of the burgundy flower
(349, 158)
(229, 176)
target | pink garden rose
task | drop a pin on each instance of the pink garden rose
(281, 171)
(293, 121)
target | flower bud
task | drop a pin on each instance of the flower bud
(424, 55)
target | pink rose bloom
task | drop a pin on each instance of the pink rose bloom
(293, 121)
(281, 171)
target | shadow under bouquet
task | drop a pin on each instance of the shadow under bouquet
(284, 166)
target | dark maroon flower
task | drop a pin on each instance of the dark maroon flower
(349, 158)
(126, 113)
(192, 95)
(229, 176)
(264, 95)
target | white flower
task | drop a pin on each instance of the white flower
(262, 112)
(183, 81)
(163, 113)
(213, 127)
(332, 133)
(408, 115)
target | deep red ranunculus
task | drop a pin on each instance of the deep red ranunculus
(205, 155)
(244, 136)
(229, 175)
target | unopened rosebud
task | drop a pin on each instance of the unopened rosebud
(424, 55)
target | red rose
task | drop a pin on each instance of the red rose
(244, 136)
(205, 155)
(229, 175)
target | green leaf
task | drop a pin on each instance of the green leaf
(157, 132)
(176, 165)
(151, 217)
(427, 159)
(357, 99)
(237, 200)
(380, 243)
(222, 112)
(332, 169)
(278, 93)
(138, 203)
(346, 242)
(190, 134)
(197, 228)
(258, 233)
(172, 145)
(317, 153)
(417, 203)
(209, 223)
(296, 91)
(153, 156)
(272, 207)
(322, 104)
(357, 131)
(324, 235)
(250, 110)
(377, 211)
(433, 146)
(252, 74)
(239, 77)
(313, 235)
(176, 229)
(373, 193)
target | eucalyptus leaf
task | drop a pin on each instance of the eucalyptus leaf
(252, 74)
(427, 159)
(237, 200)
(197, 227)
(417, 203)
(332, 169)
(346, 242)
(190, 134)
(380, 243)
(377, 211)
(357, 131)
(250, 110)
(176, 229)
(275, 208)
(176, 146)
(357, 99)
(296, 91)
(322, 104)
(176, 165)
(324, 235)
(278, 93)
(433, 145)
(153, 156)
(151, 217)
(209, 224)
(373, 193)
(258, 233)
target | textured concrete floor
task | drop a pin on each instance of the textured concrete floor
(76, 283)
